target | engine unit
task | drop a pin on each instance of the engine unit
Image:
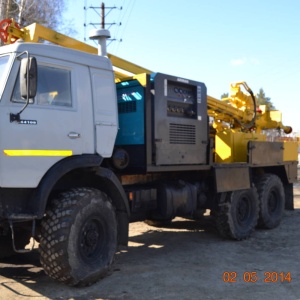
(180, 121)
(163, 121)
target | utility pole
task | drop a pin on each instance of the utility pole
(102, 16)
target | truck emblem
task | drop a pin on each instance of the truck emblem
(28, 122)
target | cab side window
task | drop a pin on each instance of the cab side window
(54, 87)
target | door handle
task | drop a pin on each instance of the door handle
(74, 135)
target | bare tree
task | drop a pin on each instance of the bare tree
(21, 7)
(25, 12)
(2, 9)
(44, 12)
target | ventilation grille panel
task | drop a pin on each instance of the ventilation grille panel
(182, 134)
(127, 107)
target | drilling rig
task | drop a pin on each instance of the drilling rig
(90, 143)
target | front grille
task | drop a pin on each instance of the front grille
(182, 134)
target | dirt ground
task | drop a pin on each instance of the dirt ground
(187, 260)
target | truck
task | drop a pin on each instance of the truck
(90, 143)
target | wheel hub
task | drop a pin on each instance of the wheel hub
(272, 203)
(90, 238)
(243, 210)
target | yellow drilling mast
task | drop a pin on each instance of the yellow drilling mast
(237, 111)
(236, 119)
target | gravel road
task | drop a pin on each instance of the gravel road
(187, 260)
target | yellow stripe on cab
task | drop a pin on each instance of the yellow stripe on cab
(9, 152)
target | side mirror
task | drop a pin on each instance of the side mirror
(28, 77)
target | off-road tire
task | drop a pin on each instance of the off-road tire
(79, 237)
(271, 200)
(237, 216)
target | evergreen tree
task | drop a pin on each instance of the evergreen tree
(224, 95)
(261, 99)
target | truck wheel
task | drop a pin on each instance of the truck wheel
(271, 200)
(237, 217)
(79, 237)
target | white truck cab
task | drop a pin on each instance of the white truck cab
(74, 111)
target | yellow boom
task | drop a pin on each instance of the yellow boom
(237, 111)
(36, 32)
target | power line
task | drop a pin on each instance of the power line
(102, 12)
(130, 9)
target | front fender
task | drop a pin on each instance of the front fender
(45, 187)
(110, 184)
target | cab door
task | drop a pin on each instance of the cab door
(50, 128)
(105, 110)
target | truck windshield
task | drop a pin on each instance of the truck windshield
(3, 72)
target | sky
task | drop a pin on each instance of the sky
(216, 42)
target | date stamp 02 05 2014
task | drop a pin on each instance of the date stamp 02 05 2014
(268, 277)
